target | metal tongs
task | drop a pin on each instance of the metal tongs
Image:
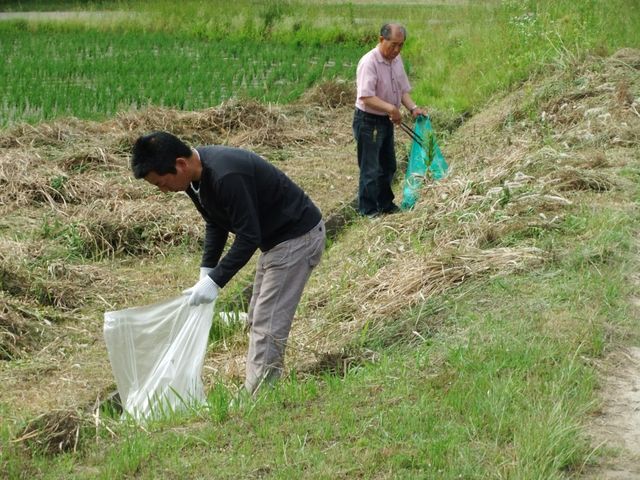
(414, 136)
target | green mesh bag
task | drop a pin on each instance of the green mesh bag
(425, 162)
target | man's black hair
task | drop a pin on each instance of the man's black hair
(157, 152)
(387, 29)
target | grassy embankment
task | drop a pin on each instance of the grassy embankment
(492, 377)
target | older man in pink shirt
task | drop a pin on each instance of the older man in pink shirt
(382, 87)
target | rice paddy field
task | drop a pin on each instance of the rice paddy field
(94, 59)
(483, 334)
(98, 74)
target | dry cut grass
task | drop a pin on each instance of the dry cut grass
(73, 221)
(516, 171)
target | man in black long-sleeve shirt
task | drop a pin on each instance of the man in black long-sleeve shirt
(239, 192)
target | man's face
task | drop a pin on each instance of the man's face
(391, 48)
(170, 182)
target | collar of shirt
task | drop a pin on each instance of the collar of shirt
(381, 59)
(195, 185)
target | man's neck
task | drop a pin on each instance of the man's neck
(197, 165)
(385, 59)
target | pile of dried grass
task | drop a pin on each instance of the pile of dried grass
(53, 432)
(404, 280)
(331, 94)
(24, 328)
(106, 228)
(60, 133)
(65, 177)
(55, 190)
(412, 279)
(91, 158)
(68, 286)
(570, 178)
(29, 271)
(238, 122)
(17, 333)
(227, 117)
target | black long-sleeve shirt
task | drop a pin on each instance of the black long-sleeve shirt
(242, 193)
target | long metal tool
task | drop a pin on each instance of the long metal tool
(416, 138)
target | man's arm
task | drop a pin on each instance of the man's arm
(240, 204)
(379, 104)
(215, 239)
(410, 105)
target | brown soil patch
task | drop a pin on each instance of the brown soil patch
(616, 428)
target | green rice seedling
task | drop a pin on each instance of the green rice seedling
(93, 75)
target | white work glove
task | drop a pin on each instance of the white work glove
(205, 291)
(204, 271)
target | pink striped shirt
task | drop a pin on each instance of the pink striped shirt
(377, 76)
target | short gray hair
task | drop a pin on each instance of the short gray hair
(387, 29)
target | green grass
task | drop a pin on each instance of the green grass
(493, 380)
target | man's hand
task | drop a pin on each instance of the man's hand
(395, 116)
(418, 111)
(205, 291)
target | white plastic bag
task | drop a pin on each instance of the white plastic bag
(157, 353)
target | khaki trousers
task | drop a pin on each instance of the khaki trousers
(281, 274)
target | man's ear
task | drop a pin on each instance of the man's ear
(182, 164)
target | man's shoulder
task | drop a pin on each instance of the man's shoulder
(229, 154)
(220, 160)
(372, 55)
(228, 162)
(216, 149)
